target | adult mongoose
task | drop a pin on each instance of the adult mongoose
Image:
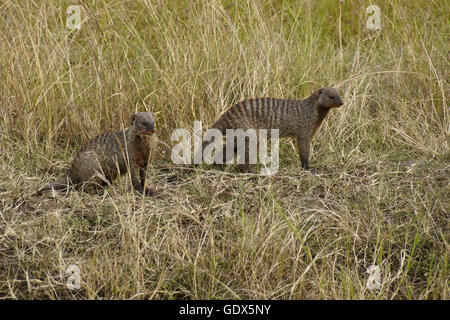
(111, 154)
(299, 119)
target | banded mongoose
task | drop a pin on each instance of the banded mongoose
(110, 154)
(299, 119)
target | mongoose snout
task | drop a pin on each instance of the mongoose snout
(144, 123)
(329, 98)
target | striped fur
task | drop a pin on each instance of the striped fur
(298, 119)
(111, 154)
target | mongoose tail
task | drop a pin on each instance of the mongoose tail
(60, 184)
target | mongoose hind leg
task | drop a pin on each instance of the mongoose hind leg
(247, 165)
(243, 165)
(95, 184)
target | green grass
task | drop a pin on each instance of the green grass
(381, 194)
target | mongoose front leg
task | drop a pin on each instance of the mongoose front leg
(142, 176)
(148, 192)
(137, 182)
(303, 146)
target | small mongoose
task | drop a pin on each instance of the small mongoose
(110, 154)
(299, 119)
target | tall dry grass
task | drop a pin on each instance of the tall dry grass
(381, 196)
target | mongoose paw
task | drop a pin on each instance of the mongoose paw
(245, 168)
(149, 192)
(311, 169)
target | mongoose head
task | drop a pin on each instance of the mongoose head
(329, 98)
(143, 123)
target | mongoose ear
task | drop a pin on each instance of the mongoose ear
(320, 91)
(133, 118)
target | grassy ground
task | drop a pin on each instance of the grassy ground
(381, 194)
